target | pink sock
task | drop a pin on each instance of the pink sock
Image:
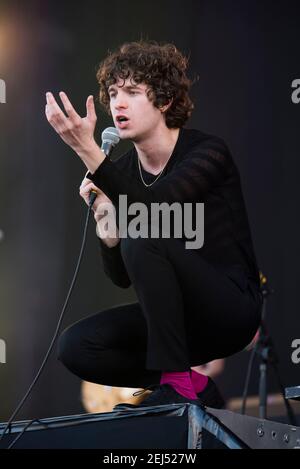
(199, 381)
(180, 381)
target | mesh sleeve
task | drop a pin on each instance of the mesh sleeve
(202, 169)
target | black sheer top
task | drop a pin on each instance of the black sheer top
(200, 169)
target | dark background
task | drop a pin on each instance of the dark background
(246, 55)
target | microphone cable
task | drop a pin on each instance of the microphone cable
(93, 195)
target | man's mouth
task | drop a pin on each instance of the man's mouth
(122, 121)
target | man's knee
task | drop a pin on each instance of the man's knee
(68, 350)
(133, 248)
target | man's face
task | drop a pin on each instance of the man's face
(133, 113)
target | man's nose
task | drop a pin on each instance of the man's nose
(121, 102)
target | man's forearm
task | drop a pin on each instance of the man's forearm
(92, 157)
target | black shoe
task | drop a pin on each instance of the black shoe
(162, 394)
(210, 396)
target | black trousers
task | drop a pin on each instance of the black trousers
(189, 312)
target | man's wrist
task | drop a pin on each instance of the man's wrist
(92, 156)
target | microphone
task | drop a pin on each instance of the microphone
(110, 138)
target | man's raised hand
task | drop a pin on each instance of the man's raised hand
(75, 131)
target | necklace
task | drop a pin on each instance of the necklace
(140, 169)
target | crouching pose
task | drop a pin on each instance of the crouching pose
(194, 305)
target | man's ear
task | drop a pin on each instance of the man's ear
(164, 108)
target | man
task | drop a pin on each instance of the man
(194, 305)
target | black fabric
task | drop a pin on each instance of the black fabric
(188, 313)
(200, 169)
(194, 305)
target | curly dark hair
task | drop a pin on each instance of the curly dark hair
(160, 66)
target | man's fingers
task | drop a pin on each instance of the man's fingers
(90, 109)
(87, 188)
(84, 191)
(50, 98)
(53, 111)
(68, 107)
(86, 182)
